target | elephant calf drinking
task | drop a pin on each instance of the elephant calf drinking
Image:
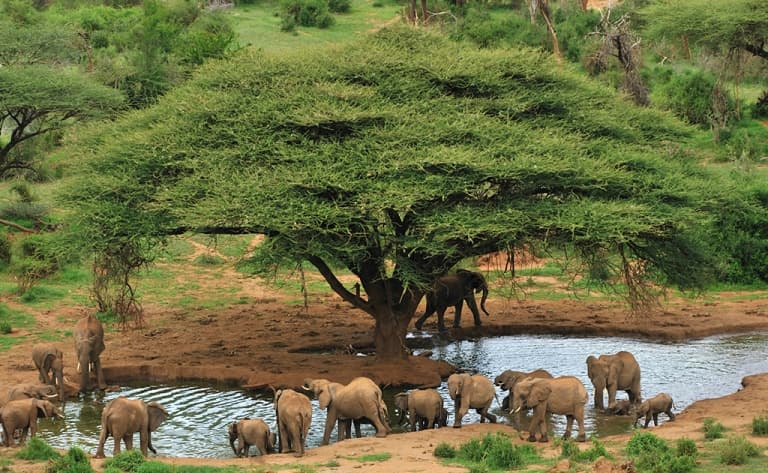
(651, 408)
(249, 432)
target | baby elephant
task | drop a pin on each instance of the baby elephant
(650, 408)
(251, 432)
(622, 407)
(23, 414)
(424, 407)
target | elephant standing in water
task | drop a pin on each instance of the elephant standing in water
(294, 415)
(565, 395)
(49, 362)
(424, 406)
(27, 391)
(89, 344)
(454, 290)
(22, 414)
(471, 391)
(122, 417)
(249, 432)
(360, 399)
(615, 372)
(508, 378)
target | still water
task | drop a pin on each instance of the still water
(199, 415)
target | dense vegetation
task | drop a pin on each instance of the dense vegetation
(397, 159)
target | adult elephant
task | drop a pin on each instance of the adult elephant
(49, 362)
(565, 395)
(22, 414)
(454, 290)
(471, 391)
(27, 391)
(89, 344)
(424, 406)
(360, 399)
(294, 415)
(123, 417)
(508, 378)
(619, 371)
(249, 432)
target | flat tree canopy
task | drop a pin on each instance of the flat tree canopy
(394, 159)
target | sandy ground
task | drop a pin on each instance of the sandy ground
(267, 341)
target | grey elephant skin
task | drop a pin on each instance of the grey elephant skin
(27, 391)
(294, 416)
(49, 362)
(565, 395)
(23, 414)
(452, 291)
(89, 344)
(651, 408)
(123, 417)
(424, 407)
(251, 432)
(508, 378)
(471, 392)
(617, 372)
(360, 399)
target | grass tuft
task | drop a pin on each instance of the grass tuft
(760, 425)
(713, 429)
(37, 450)
(737, 450)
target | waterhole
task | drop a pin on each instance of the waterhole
(199, 415)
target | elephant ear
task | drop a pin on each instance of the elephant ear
(325, 396)
(614, 369)
(401, 401)
(157, 415)
(540, 392)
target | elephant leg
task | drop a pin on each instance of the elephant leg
(473, 308)
(128, 440)
(579, 416)
(343, 429)
(441, 319)
(484, 414)
(568, 426)
(358, 432)
(99, 374)
(329, 421)
(24, 433)
(656, 419)
(457, 314)
(670, 414)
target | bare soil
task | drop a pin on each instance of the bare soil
(268, 340)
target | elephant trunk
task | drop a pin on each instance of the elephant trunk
(482, 299)
(84, 364)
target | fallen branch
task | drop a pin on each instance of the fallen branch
(17, 226)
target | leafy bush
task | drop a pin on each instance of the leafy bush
(339, 6)
(737, 450)
(37, 450)
(5, 249)
(305, 13)
(570, 450)
(445, 450)
(760, 109)
(686, 448)
(5, 328)
(496, 452)
(479, 27)
(649, 453)
(688, 94)
(645, 443)
(210, 36)
(75, 461)
(155, 467)
(127, 460)
(760, 425)
(713, 429)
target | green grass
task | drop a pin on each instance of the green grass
(371, 457)
(37, 450)
(259, 25)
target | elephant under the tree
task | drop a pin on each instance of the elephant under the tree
(508, 378)
(471, 392)
(49, 362)
(360, 399)
(251, 432)
(89, 344)
(565, 395)
(22, 414)
(424, 406)
(651, 408)
(27, 391)
(294, 416)
(123, 417)
(452, 291)
(617, 372)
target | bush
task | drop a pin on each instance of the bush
(570, 450)
(649, 453)
(737, 450)
(156, 467)
(496, 452)
(36, 449)
(713, 429)
(75, 461)
(5, 249)
(686, 448)
(760, 425)
(305, 13)
(127, 460)
(5, 328)
(645, 443)
(340, 6)
(688, 94)
(760, 109)
(445, 450)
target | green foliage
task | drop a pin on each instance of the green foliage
(445, 450)
(36, 294)
(573, 28)
(372, 457)
(5, 249)
(570, 450)
(209, 260)
(74, 461)
(642, 443)
(37, 449)
(127, 461)
(737, 450)
(42, 255)
(686, 448)
(760, 425)
(155, 467)
(495, 451)
(339, 6)
(760, 108)
(5, 328)
(210, 36)
(305, 13)
(687, 93)
(479, 26)
(651, 454)
(713, 429)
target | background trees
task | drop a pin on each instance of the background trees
(395, 163)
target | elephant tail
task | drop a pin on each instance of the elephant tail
(483, 299)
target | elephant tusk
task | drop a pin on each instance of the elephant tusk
(50, 396)
(305, 388)
(515, 410)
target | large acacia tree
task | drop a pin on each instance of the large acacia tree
(394, 160)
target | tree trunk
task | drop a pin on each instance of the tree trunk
(389, 334)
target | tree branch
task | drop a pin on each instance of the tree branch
(756, 50)
(17, 226)
(337, 286)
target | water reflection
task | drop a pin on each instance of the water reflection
(199, 415)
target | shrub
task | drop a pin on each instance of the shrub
(760, 109)
(75, 461)
(713, 429)
(36, 449)
(155, 467)
(645, 442)
(127, 460)
(339, 6)
(496, 452)
(471, 450)
(445, 450)
(570, 450)
(686, 448)
(306, 13)
(760, 425)
(5, 328)
(736, 450)
(5, 249)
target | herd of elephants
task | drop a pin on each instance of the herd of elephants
(345, 404)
